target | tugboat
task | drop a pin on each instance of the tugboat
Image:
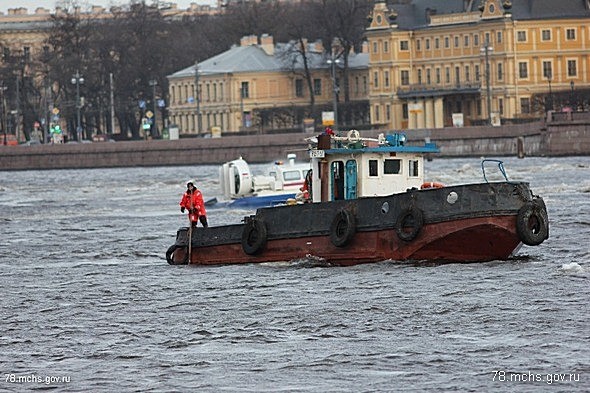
(368, 202)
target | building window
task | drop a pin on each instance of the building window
(572, 68)
(477, 75)
(466, 41)
(405, 76)
(525, 105)
(476, 40)
(428, 43)
(467, 73)
(27, 53)
(385, 46)
(428, 81)
(456, 41)
(500, 67)
(299, 87)
(377, 114)
(437, 73)
(405, 111)
(570, 34)
(365, 85)
(317, 87)
(546, 35)
(523, 71)
(404, 45)
(487, 35)
(386, 78)
(501, 105)
(388, 112)
(418, 45)
(376, 79)
(392, 167)
(375, 47)
(521, 36)
(457, 75)
(245, 90)
(436, 43)
(447, 42)
(419, 77)
(547, 71)
(447, 75)
(498, 37)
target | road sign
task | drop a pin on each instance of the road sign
(55, 111)
(149, 114)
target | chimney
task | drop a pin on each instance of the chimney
(248, 40)
(267, 44)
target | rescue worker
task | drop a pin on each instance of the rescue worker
(192, 200)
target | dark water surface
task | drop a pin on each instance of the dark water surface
(88, 302)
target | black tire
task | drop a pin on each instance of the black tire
(170, 255)
(343, 228)
(254, 236)
(409, 224)
(532, 224)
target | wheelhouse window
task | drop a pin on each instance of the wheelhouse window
(291, 175)
(373, 168)
(392, 167)
(413, 168)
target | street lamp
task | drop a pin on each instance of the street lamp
(198, 97)
(153, 83)
(572, 95)
(550, 104)
(77, 79)
(486, 49)
(332, 61)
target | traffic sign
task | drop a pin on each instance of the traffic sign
(55, 111)
(149, 114)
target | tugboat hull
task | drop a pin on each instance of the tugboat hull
(468, 223)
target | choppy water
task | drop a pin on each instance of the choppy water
(88, 302)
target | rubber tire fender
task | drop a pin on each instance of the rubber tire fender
(254, 236)
(532, 224)
(170, 258)
(343, 228)
(409, 215)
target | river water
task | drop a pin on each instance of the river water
(88, 302)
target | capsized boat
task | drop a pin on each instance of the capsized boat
(369, 202)
(244, 190)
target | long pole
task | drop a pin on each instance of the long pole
(112, 87)
(198, 97)
(154, 83)
(17, 120)
(3, 89)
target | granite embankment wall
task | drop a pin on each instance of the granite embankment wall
(560, 137)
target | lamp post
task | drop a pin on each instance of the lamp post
(332, 61)
(198, 97)
(486, 49)
(572, 96)
(3, 90)
(77, 79)
(550, 105)
(153, 83)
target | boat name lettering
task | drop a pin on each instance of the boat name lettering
(317, 154)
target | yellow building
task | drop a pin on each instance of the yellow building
(241, 84)
(439, 63)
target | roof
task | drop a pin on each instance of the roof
(413, 15)
(252, 58)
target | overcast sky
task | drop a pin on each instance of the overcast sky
(32, 5)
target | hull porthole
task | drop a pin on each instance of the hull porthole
(343, 228)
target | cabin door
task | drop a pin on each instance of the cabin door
(351, 179)
(337, 180)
